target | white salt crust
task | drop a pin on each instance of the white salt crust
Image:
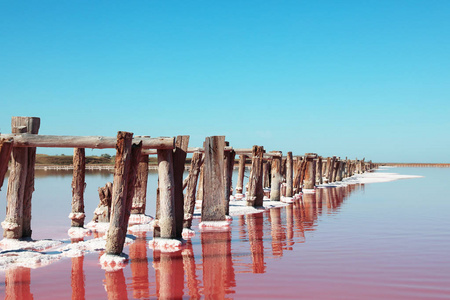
(165, 245)
(77, 216)
(111, 262)
(187, 233)
(79, 232)
(308, 191)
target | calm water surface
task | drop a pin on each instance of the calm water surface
(375, 241)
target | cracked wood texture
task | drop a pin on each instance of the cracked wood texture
(213, 208)
(229, 157)
(276, 178)
(241, 173)
(289, 175)
(140, 188)
(5, 155)
(78, 185)
(166, 207)
(179, 159)
(255, 193)
(191, 185)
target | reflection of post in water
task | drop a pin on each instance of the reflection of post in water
(289, 226)
(218, 271)
(299, 231)
(169, 274)
(255, 223)
(319, 204)
(190, 271)
(139, 268)
(17, 284)
(278, 235)
(78, 278)
(115, 285)
(309, 204)
(242, 233)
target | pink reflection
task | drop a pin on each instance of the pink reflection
(17, 284)
(169, 273)
(255, 223)
(139, 268)
(218, 272)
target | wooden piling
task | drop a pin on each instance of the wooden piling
(140, 189)
(310, 174)
(6, 146)
(127, 159)
(78, 185)
(255, 192)
(241, 173)
(266, 174)
(189, 199)
(166, 210)
(103, 211)
(319, 170)
(179, 159)
(200, 183)
(276, 177)
(229, 157)
(17, 223)
(289, 175)
(330, 168)
(213, 208)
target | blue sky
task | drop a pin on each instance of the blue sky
(347, 78)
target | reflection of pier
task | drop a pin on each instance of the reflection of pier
(17, 284)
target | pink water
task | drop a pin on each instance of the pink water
(375, 241)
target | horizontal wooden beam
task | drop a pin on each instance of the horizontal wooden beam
(97, 142)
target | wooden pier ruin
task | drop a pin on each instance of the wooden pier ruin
(209, 179)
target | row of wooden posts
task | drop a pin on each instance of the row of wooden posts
(211, 166)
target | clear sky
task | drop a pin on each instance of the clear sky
(347, 78)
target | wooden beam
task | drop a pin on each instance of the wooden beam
(97, 142)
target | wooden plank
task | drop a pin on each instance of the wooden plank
(97, 142)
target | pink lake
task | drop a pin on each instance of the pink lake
(386, 240)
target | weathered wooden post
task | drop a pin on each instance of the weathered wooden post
(276, 177)
(140, 189)
(213, 208)
(166, 209)
(289, 175)
(127, 160)
(78, 185)
(240, 180)
(330, 169)
(6, 146)
(189, 199)
(266, 174)
(319, 179)
(340, 170)
(255, 193)
(310, 174)
(227, 177)
(297, 174)
(17, 223)
(200, 184)
(179, 160)
(103, 211)
(334, 170)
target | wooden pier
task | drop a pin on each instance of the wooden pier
(209, 178)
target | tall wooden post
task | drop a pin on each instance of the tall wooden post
(166, 212)
(213, 208)
(330, 169)
(227, 177)
(241, 172)
(310, 174)
(297, 174)
(200, 184)
(266, 174)
(179, 159)
(289, 175)
(78, 186)
(319, 170)
(334, 169)
(340, 170)
(140, 189)
(276, 177)
(189, 199)
(6, 146)
(255, 193)
(17, 223)
(127, 160)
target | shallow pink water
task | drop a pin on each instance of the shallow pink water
(376, 241)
